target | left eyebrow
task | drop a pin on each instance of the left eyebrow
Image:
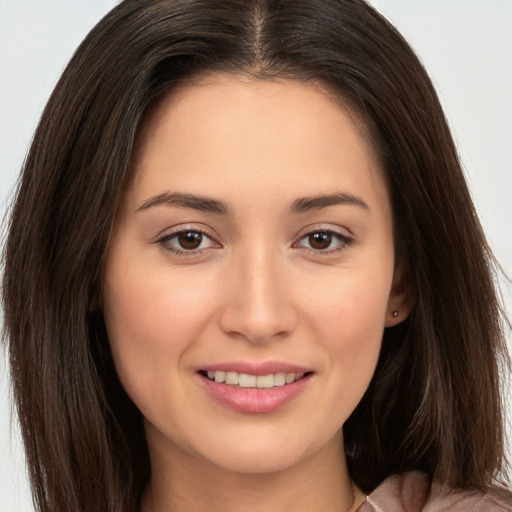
(305, 204)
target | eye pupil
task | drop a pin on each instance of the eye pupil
(320, 240)
(190, 240)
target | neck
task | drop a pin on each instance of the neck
(183, 483)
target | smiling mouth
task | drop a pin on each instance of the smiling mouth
(245, 380)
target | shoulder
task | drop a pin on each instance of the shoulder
(413, 492)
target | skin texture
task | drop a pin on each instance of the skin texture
(254, 291)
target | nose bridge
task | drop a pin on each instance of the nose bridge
(262, 283)
(259, 305)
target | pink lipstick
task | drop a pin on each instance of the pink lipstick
(254, 387)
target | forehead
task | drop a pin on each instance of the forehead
(212, 94)
(220, 128)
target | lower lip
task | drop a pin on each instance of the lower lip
(255, 400)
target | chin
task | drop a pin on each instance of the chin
(248, 462)
(263, 454)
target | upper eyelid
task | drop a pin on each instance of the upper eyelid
(180, 228)
(344, 241)
(165, 239)
(173, 234)
(169, 232)
(330, 231)
(328, 228)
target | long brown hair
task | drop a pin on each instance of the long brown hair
(434, 402)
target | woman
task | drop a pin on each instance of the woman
(255, 276)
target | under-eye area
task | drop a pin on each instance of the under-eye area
(245, 380)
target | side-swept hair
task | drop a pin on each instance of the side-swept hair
(434, 402)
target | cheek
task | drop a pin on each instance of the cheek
(353, 335)
(152, 319)
(349, 321)
(350, 308)
(154, 305)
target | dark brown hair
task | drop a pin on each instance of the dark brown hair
(434, 402)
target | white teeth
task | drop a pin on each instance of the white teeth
(232, 378)
(289, 378)
(265, 381)
(280, 379)
(245, 380)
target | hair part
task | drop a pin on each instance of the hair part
(434, 402)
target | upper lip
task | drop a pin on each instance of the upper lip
(255, 368)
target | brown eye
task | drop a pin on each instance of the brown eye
(320, 240)
(189, 240)
(324, 242)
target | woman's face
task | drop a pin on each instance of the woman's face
(255, 245)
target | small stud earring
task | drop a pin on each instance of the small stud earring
(395, 314)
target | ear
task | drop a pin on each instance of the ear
(401, 298)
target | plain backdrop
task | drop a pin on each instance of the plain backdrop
(466, 45)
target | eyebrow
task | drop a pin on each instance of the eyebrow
(192, 201)
(206, 204)
(306, 204)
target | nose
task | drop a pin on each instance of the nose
(257, 298)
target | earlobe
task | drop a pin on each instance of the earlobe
(401, 299)
(394, 317)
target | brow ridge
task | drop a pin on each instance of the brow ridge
(305, 204)
(181, 200)
(206, 204)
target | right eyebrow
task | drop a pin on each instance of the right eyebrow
(192, 201)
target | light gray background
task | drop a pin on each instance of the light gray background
(466, 46)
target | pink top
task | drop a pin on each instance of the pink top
(413, 492)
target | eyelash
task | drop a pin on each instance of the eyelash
(343, 242)
(166, 239)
